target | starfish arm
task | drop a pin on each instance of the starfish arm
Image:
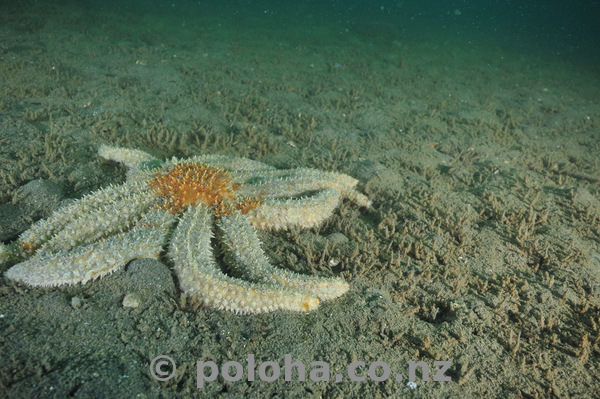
(126, 156)
(229, 163)
(97, 259)
(280, 214)
(44, 230)
(314, 174)
(92, 223)
(201, 279)
(289, 183)
(248, 259)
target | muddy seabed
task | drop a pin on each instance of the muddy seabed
(481, 247)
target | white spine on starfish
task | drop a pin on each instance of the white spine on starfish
(95, 260)
(249, 261)
(202, 280)
(280, 214)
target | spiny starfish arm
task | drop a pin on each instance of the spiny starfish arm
(249, 261)
(314, 174)
(99, 222)
(201, 279)
(229, 163)
(297, 181)
(44, 230)
(95, 260)
(281, 214)
(126, 156)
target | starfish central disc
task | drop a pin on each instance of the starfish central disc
(192, 184)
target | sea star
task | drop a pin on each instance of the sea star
(104, 230)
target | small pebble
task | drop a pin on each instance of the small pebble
(132, 301)
(76, 302)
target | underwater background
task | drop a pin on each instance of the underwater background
(473, 126)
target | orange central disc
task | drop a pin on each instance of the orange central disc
(192, 184)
